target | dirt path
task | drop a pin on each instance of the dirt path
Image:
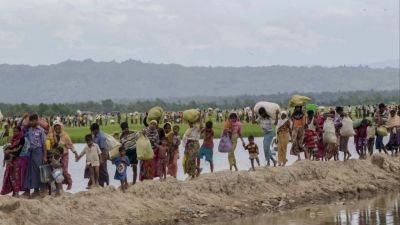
(212, 197)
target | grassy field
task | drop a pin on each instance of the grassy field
(77, 134)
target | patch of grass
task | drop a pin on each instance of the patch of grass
(77, 134)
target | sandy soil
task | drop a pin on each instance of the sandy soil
(212, 197)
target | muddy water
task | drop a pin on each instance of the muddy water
(381, 210)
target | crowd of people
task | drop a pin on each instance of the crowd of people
(86, 118)
(36, 156)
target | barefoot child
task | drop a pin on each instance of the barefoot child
(173, 153)
(206, 150)
(92, 152)
(253, 151)
(360, 138)
(162, 159)
(370, 137)
(57, 170)
(121, 162)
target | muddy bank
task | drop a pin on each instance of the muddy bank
(212, 197)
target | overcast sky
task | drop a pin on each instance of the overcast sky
(200, 32)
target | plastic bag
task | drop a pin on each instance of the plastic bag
(311, 107)
(347, 127)
(191, 115)
(329, 135)
(269, 107)
(382, 131)
(357, 123)
(329, 126)
(45, 173)
(155, 113)
(58, 176)
(144, 150)
(111, 142)
(299, 100)
(329, 138)
(225, 144)
(114, 152)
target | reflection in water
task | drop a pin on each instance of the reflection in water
(382, 210)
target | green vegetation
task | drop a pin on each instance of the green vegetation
(179, 104)
(77, 134)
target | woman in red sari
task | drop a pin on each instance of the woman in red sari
(12, 174)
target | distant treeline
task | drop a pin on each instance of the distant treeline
(178, 104)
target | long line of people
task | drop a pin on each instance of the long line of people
(36, 157)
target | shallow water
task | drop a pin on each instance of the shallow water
(220, 163)
(381, 210)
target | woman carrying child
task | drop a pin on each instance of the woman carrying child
(12, 181)
(59, 138)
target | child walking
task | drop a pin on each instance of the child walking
(371, 130)
(253, 151)
(206, 150)
(162, 159)
(360, 138)
(57, 170)
(173, 153)
(92, 152)
(121, 163)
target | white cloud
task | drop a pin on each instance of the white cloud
(209, 31)
(10, 40)
(70, 34)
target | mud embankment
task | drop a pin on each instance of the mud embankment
(212, 197)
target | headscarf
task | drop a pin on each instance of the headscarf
(65, 141)
(170, 134)
(16, 139)
(282, 122)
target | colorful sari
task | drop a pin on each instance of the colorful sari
(148, 167)
(298, 134)
(64, 141)
(12, 181)
(192, 152)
